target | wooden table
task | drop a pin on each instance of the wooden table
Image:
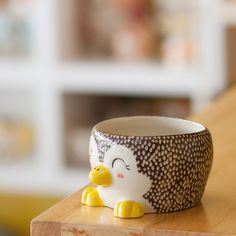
(215, 215)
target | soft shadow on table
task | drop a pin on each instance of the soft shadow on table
(197, 219)
(180, 220)
(104, 216)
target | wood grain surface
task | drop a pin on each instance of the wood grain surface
(216, 215)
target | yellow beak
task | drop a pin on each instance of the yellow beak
(100, 175)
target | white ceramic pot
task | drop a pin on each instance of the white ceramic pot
(147, 164)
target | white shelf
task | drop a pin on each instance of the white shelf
(132, 79)
(32, 180)
(110, 78)
(17, 74)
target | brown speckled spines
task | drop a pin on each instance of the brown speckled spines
(178, 165)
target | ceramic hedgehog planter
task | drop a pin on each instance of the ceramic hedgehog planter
(148, 165)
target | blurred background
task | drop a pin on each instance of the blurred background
(67, 64)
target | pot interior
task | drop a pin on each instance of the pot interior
(148, 126)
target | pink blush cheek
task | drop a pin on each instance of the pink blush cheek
(120, 176)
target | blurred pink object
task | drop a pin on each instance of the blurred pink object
(177, 49)
(135, 41)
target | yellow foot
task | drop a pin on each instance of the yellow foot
(91, 197)
(128, 209)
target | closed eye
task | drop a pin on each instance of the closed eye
(127, 166)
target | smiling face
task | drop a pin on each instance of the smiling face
(120, 160)
(121, 164)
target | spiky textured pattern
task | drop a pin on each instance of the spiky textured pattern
(178, 165)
